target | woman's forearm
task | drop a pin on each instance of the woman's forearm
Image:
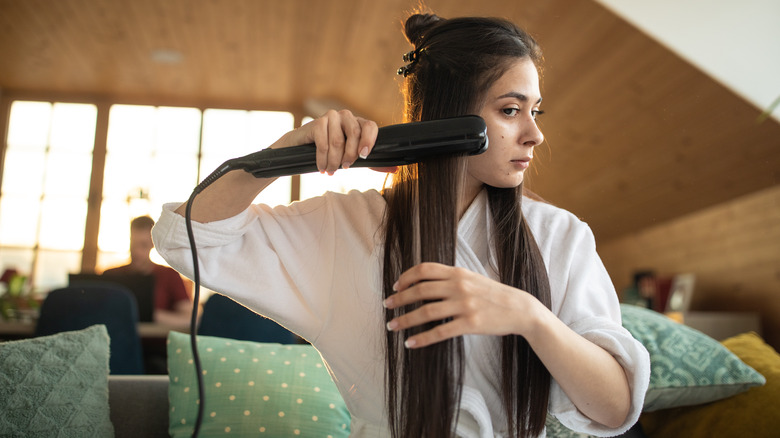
(588, 374)
(226, 197)
(230, 194)
(233, 192)
(340, 138)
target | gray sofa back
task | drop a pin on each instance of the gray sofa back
(139, 405)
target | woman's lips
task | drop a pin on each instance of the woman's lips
(522, 163)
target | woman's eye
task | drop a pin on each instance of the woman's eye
(511, 112)
(536, 113)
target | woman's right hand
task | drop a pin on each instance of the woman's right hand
(340, 137)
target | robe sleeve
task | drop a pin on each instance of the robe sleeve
(280, 262)
(584, 298)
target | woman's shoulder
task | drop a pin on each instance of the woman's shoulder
(547, 219)
(353, 199)
(371, 195)
(546, 210)
(358, 202)
(352, 207)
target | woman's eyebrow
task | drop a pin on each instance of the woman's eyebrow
(519, 96)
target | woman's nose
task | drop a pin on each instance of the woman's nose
(533, 136)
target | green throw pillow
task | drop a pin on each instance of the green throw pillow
(56, 386)
(253, 389)
(750, 414)
(557, 430)
(687, 366)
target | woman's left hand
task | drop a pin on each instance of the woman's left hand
(588, 374)
(476, 304)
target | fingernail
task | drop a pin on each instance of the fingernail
(388, 302)
(409, 343)
(364, 153)
(345, 165)
(392, 325)
(395, 286)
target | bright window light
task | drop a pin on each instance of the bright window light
(232, 133)
(46, 177)
(151, 159)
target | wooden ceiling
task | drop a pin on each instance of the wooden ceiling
(635, 135)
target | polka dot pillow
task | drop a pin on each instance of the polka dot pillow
(253, 389)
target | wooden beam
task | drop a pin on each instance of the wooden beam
(95, 199)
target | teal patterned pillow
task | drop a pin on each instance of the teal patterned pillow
(687, 366)
(557, 430)
(253, 389)
(56, 386)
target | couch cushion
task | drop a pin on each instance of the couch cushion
(139, 406)
(56, 385)
(253, 388)
(687, 366)
(752, 413)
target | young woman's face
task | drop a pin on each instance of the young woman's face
(510, 111)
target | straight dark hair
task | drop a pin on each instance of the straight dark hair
(453, 65)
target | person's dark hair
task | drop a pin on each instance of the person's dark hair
(453, 65)
(142, 223)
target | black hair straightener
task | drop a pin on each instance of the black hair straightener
(396, 145)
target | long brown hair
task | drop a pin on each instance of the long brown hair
(453, 65)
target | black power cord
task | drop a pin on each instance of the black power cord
(196, 293)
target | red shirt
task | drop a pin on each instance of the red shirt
(168, 285)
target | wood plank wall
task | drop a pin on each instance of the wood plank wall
(733, 248)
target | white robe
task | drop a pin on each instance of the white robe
(315, 267)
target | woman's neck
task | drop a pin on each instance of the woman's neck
(468, 196)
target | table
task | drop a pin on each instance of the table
(722, 325)
(15, 330)
(153, 336)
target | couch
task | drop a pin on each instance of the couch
(699, 387)
(139, 406)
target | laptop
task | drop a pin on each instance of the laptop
(140, 285)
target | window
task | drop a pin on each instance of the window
(157, 154)
(153, 155)
(151, 158)
(46, 177)
(230, 133)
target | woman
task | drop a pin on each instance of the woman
(448, 304)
